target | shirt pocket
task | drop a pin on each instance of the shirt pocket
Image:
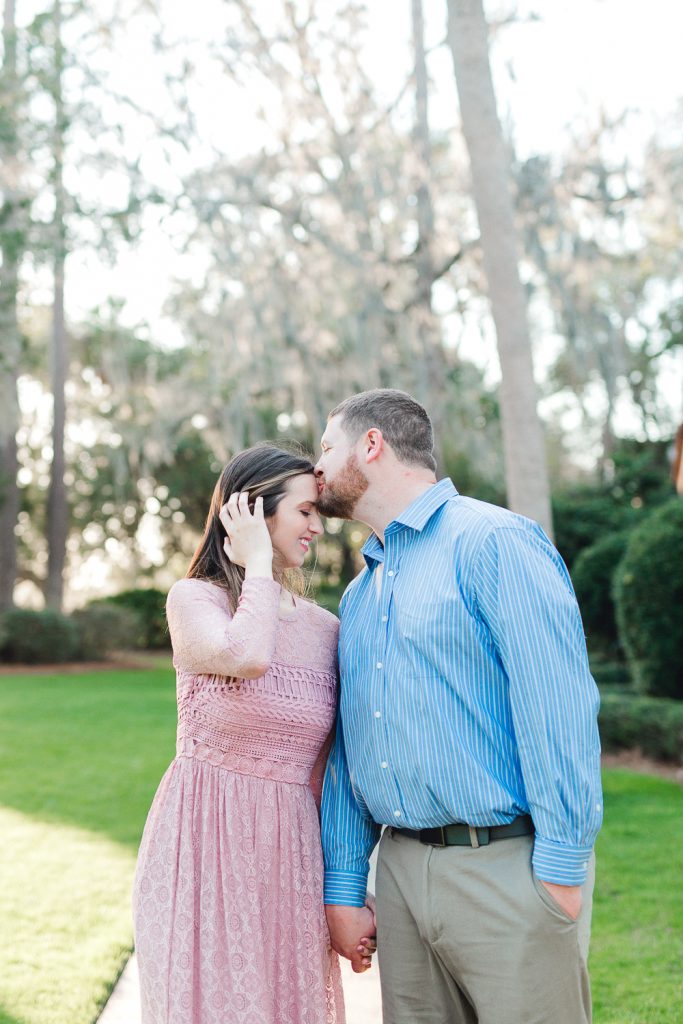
(431, 615)
(421, 635)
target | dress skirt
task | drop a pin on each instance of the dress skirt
(228, 907)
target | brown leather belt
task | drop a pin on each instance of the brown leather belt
(468, 835)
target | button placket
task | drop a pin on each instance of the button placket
(389, 573)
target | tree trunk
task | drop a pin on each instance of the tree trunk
(57, 507)
(526, 470)
(11, 244)
(430, 364)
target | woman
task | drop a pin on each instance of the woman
(229, 919)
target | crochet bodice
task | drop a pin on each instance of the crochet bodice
(256, 690)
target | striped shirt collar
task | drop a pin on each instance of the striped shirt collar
(415, 516)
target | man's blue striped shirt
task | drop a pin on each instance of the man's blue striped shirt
(465, 692)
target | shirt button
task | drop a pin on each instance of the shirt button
(598, 807)
(385, 618)
(378, 714)
(379, 664)
(397, 814)
(384, 764)
(390, 573)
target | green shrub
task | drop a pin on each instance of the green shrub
(639, 482)
(611, 674)
(593, 576)
(150, 607)
(38, 637)
(651, 724)
(648, 595)
(104, 627)
(585, 516)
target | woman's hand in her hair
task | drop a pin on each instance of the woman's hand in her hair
(248, 541)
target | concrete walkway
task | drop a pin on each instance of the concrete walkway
(361, 994)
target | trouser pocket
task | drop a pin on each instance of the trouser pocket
(550, 901)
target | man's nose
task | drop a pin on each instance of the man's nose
(317, 471)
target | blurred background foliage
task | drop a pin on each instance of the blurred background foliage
(174, 289)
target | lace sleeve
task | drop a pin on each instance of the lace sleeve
(206, 639)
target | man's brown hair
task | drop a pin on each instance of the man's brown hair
(405, 425)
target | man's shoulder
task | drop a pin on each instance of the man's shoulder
(469, 527)
(467, 515)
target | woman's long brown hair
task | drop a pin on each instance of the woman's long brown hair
(263, 471)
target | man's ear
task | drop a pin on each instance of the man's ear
(374, 444)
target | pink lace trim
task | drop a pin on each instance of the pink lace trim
(297, 682)
(285, 680)
(244, 764)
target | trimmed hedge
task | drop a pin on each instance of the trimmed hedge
(38, 637)
(648, 593)
(583, 517)
(611, 674)
(150, 607)
(651, 724)
(103, 627)
(593, 577)
(133, 619)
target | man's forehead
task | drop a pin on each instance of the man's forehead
(332, 431)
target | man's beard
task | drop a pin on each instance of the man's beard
(339, 499)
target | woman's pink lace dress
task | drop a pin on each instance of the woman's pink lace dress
(229, 918)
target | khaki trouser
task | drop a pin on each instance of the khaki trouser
(470, 936)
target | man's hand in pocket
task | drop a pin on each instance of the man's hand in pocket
(568, 897)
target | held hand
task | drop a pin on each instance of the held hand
(568, 896)
(368, 944)
(366, 948)
(248, 540)
(352, 931)
(370, 903)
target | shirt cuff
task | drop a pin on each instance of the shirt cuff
(563, 865)
(345, 888)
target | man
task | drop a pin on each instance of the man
(468, 726)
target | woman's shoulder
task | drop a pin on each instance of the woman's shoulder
(191, 588)
(322, 615)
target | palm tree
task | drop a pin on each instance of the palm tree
(523, 441)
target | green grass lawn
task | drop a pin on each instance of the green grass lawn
(80, 758)
(636, 957)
